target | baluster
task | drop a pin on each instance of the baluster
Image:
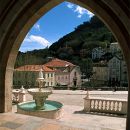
(120, 106)
(111, 106)
(92, 104)
(115, 106)
(96, 102)
(108, 105)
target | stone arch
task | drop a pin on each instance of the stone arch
(17, 17)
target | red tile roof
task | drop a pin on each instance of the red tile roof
(34, 68)
(58, 63)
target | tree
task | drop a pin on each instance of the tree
(86, 67)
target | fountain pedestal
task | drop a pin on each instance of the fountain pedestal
(39, 101)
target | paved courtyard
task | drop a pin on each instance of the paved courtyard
(72, 118)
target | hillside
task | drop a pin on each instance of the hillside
(86, 36)
(75, 47)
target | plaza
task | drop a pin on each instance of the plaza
(73, 117)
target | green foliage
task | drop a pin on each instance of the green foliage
(86, 67)
(88, 35)
(32, 57)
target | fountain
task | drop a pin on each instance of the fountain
(39, 94)
(40, 106)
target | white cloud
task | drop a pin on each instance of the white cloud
(70, 5)
(37, 26)
(37, 39)
(79, 10)
(90, 14)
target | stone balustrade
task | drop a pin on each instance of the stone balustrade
(18, 95)
(112, 106)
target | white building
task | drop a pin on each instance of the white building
(66, 73)
(117, 70)
(114, 68)
(114, 47)
(97, 53)
(27, 75)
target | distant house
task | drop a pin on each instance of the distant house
(124, 80)
(97, 53)
(113, 71)
(27, 75)
(114, 68)
(66, 73)
(100, 73)
(114, 47)
(117, 70)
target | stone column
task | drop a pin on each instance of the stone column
(22, 96)
(128, 107)
(87, 103)
(2, 90)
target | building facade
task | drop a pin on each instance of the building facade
(114, 47)
(113, 72)
(117, 71)
(66, 73)
(56, 73)
(97, 53)
(28, 74)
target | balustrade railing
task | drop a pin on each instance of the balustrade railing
(18, 95)
(113, 106)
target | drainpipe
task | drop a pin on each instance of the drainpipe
(120, 74)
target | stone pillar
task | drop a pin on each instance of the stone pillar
(22, 96)
(5, 89)
(2, 90)
(87, 103)
(128, 107)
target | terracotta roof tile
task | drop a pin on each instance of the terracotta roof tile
(34, 68)
(58, 63)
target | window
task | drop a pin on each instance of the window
(48, 75)
(74, 73)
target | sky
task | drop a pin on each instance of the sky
(56, 23)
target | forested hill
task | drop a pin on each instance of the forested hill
(73, 47)
(88, 35)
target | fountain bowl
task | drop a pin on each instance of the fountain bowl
(42, 92)
(53, 109)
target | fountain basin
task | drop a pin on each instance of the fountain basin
(42, 92)
(40, 96)
(52, 109)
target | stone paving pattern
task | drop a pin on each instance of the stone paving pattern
(73, 117)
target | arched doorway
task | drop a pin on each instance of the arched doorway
(18, 17)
